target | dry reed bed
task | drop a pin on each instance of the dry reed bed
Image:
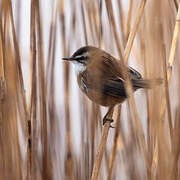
(36, 135)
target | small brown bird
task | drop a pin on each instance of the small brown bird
(99, 76)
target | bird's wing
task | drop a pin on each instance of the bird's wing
(114, 68)
(106, 76)
(114, 87)
(113, 82)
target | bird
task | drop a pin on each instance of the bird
(100, 77)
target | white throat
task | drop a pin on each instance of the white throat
(78, 67)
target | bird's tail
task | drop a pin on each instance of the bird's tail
(146, 83)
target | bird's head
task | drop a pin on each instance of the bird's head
(82, 57)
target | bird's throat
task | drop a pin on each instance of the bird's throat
(79, 68)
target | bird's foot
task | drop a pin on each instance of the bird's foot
(106, 120)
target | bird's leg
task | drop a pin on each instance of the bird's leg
(106, 118)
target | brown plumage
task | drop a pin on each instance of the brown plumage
(99, 76)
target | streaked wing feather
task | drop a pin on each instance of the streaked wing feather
(134, 74)
(114, 88)
(110, 81)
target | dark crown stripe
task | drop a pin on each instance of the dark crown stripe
(83, 50)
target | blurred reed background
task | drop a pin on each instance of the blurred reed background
(49, 129)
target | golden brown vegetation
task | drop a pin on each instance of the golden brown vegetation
(37, 139)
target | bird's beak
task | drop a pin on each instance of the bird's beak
(67, 58)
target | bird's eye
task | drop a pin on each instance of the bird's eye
(80, 59)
